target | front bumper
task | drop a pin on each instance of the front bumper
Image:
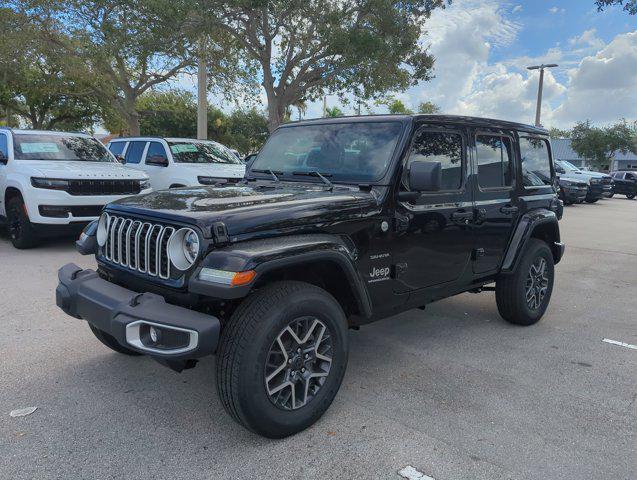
(573, 194)
(127, 315)
(595, 192)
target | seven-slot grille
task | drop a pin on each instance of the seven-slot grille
(138, 245)
(104, 187)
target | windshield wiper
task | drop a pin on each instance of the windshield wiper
(267, 170)
(316, 173)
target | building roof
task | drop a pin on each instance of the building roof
(562, 150)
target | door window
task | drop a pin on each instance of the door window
(4, 149)
(536, 163)
(116, 148)
(134, 152)
(630, 176)
(155, 151)
(443, 147)
(495, 155)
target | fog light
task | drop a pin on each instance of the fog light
(154, 334)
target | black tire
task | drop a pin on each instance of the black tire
(611, 195)
(511, 290)
(246, 349)
(592, 200)
(21, 230)
(630, 196)
(111, 343)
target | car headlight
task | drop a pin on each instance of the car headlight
(183, 248)
(144, 184)
(102, 229)
(210, 180)
(50, 183)
(565, 182)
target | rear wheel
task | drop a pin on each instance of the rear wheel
(21, 231)
(611, 195)
(282, 358)
(592, 200)
(111, 343)
(630, 196)
(523, 297)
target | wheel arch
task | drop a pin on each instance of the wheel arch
(541, 224)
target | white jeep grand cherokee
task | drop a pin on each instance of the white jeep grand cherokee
(55, 182)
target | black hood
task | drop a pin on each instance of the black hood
(247, 209)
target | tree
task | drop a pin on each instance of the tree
(125, 47)
(428, 108)
(333, 112)
(555, 132)
(396, 106)
(247, 130)
(630, 6)
(599, 145)
(305, 49)
(34, 87)
(171, 113)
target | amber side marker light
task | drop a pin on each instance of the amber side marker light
(233, 279)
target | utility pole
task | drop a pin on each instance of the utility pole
(538, 108)
(202, 94)
(324, 106)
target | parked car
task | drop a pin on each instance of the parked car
(339, 222)
(625, 183)
(600, 185)
(178, 162)
(55, 182)
(572, 190)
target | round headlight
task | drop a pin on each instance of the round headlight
(183, 248)
(102, 230)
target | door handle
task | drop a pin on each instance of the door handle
(509, 210)
(462, 216)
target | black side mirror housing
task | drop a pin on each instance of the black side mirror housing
(157, 160)
(3, 158)
(425, 176)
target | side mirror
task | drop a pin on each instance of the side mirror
(424, 176)
(3, 158)
(120, 159)
(157, 160)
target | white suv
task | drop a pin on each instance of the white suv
(55, 182)
(178, 162)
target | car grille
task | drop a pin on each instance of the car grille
(138, 246)
(104, 187)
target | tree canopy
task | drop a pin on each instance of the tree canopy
(600, 144)
(630, 6)
(304, 49)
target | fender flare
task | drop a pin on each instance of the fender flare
(528, 224)
(271, 254)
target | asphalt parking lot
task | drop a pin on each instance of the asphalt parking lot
(453, 391)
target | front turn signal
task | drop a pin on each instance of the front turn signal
(232, 279)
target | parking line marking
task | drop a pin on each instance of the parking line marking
(621, 344)
(410, 473)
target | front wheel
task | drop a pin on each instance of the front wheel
(611, 195)
(523, 296)
(592, 200)
(282, 358)
(21, 230)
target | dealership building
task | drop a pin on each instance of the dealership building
(562, 150)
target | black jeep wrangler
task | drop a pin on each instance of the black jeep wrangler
(338, 223)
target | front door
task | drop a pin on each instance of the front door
(434, 235)
(493, 163)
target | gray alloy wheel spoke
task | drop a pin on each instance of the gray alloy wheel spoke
(298, 363)
(536, 284)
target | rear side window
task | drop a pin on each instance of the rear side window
(134, 152)
(117, 148)
(156, 149)
(443, 147)
(536, 163)
(630, 176)
(4, 149)
(495, 154)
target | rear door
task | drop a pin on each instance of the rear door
(159, 174)
(493, 159)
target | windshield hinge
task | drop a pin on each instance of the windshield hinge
(220, 233)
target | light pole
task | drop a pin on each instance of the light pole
(538, 110)
(202, 94)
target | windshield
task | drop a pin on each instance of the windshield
(202, 152)
(356, 152)
(60, 147)
(569, 167)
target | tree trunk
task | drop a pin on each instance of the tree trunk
(132, 119)
(276, 113)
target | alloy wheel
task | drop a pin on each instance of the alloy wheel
(298, 363)
(537, 283)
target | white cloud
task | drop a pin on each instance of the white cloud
(556, 10)
(517, 9)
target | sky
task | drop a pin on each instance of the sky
(482, 49)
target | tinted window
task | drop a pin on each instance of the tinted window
(536, 164)
(4, 150)
(494, 161)
(156, 149)
(356, 152)
(117, 148)
(202, 152)
(134, 152)
(442, 147)
(59, 147)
